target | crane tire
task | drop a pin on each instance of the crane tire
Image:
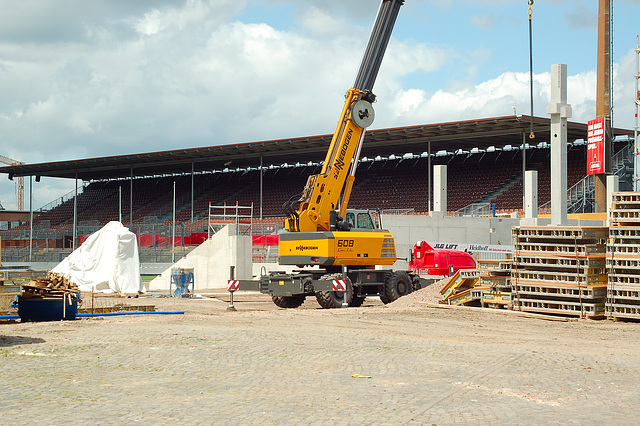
(416, 283)
(288, 302)
(396, 285)
(333, 299)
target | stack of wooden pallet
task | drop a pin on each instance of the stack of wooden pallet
(623, 257)
(560, 270)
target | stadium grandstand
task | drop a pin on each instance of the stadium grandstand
(485, 159)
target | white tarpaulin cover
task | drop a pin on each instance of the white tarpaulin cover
(107, 261)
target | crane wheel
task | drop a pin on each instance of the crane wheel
(288, 302)
(416, 283)
(333, 299)
(396, 285)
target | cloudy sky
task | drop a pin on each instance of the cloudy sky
(83, 79)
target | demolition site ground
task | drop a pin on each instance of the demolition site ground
(402, 363)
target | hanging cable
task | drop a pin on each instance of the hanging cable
(531, 134)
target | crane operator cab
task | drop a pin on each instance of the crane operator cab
(360, 219)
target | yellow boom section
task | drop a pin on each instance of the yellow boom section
(325, 191)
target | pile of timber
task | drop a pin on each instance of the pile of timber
(54, 285)
(623, 257)
(560, 270)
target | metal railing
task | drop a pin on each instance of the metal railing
(221, 216)
(475, 210)
(581, 195)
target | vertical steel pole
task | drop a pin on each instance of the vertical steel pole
(603, 97)
(131, 199)
(429, 177)
(173, 227)
(635, 126)
(232, 275)
(260, 187)
(345, 303)
(192, 194)
(75, 214)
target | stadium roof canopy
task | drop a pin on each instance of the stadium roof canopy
(451, 137)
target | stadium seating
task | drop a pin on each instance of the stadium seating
(385, 184)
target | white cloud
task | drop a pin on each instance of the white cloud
(127, 77)
(495, 97)
(320, 23)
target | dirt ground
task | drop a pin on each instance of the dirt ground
(409, 362)
(475, 323)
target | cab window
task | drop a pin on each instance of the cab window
(364, 221)
(351, 220)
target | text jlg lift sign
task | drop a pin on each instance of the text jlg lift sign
(595, 146)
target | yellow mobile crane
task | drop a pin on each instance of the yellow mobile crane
(316, 232)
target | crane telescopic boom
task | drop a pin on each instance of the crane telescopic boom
(330, 189)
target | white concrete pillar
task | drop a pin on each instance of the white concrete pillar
(440, 189)
(559, 111)
(531, 194)
(613, 185)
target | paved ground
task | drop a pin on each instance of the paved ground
(262, 365)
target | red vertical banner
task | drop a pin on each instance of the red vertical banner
(595, 146)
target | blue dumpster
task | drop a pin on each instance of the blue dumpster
(46, 309)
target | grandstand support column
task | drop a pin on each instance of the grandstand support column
(560, 111)
(613, 185)
(440, 190)
(531, 194)
(524, 171)
(74, 234)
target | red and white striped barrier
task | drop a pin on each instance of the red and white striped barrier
(233, 285)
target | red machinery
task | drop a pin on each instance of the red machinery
(427, 260)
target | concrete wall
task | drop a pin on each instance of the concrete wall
(408, 229)
(211, 261)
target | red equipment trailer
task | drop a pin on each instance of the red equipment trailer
(426, 260)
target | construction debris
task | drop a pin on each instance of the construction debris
(54, 285)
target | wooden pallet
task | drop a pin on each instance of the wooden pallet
(569, 264)
(593, 294)
(619, 263)
(559, 277)
(570, 233)
(622, 311)
(587, 310)
(554, 249)
(626, 293)
(117, 308)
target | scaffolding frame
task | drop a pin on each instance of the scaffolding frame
(221, 216)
